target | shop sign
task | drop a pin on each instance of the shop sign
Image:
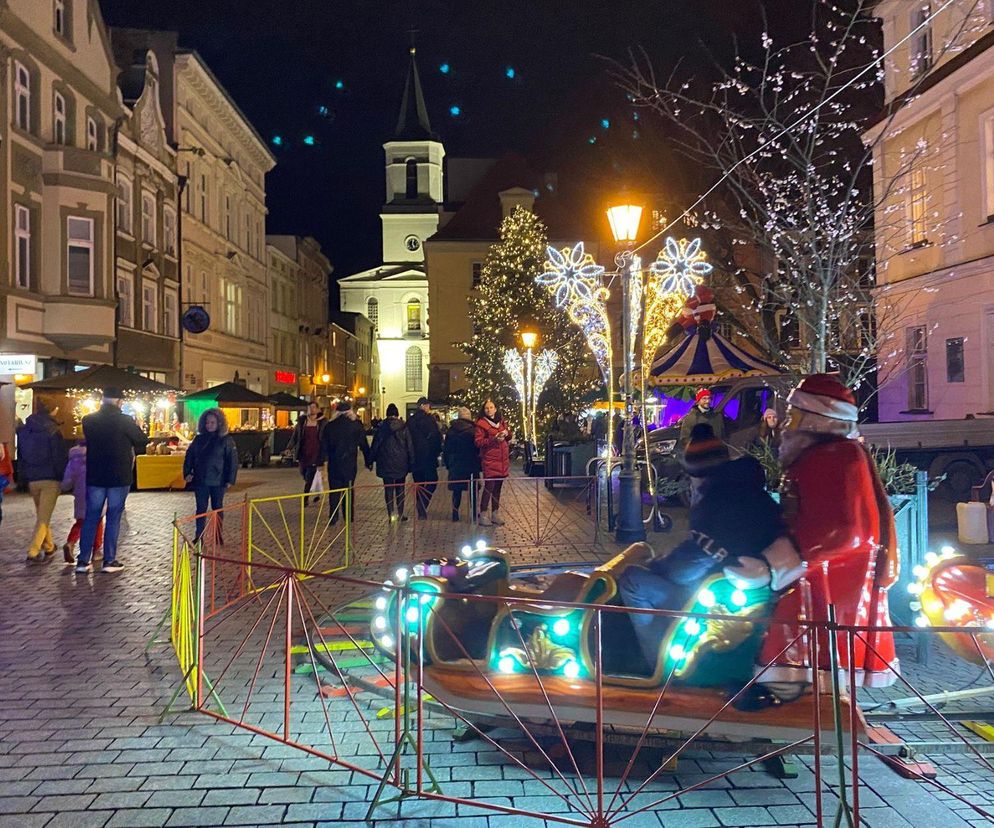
(287, 377)
(17, 364)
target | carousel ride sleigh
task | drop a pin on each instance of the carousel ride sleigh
(496, 648)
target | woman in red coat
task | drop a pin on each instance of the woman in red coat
(492, 438)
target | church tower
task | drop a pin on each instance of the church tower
(414, 191)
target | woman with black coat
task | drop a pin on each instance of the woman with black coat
(210, 466)
(461, 457)
(393, 453)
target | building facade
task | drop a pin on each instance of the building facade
(361, 363)
(284, 336)
(394, 295)
(934, 165)
(59, 105)
(146, 222)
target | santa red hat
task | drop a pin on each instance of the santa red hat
(827, 404)
(701, 394)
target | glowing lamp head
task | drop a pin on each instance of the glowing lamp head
(561, 627)
(481, 545)
(362, 390)
(624, 220)
(948, 551)
(386, 642)
(692, 627)
(706, 598)
(400, 575)
(529, 338)
(739, 598)
(380, 622)
(506, 664)
(466, 551)
(677, 652)
(325, 379)
(381, 603)
(412, 615)
(571, 669)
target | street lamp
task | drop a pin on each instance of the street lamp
(624, 220)
(325, 379)
(528, 339)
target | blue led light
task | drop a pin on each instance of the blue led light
(277, 140)
(455, 111)
(444, 68)
(322, 110)
(309, 140)
(592, 139)
(339, 84)
(605, 123)
(510, 73)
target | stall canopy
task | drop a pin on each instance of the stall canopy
(99, 377)
(283, 400)
(229, 394)
(705, 359)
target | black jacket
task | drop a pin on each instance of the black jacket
(392, 450)
(460, 454)
(340, 440)
(112, 441)
(427, 439)
(41, 451)
(212, 459)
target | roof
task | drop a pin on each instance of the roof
(98, 377)
(388, 273)
(283, 400)
(228, 392)
(412, 122)
(479, 218)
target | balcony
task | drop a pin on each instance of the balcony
(73, 322)
(59, 161)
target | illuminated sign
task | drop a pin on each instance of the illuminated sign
(17, 364)
(287, 377)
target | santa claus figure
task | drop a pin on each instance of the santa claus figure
(841, 519)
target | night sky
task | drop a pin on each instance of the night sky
(334, 70)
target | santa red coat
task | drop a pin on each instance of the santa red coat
(843, 524)
(495, 454)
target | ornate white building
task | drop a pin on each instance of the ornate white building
(394, 295)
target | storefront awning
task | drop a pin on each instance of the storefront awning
(99, 377)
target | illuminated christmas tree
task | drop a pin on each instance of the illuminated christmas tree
(508, 302)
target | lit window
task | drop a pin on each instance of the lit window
(150, 306)
(124, 204)
(917, 200)
(170, 314)
(22, 250)
(169, 231)
(373, 312)
(413, 368)
(148, 218)
(414, 316)
(921, 40)
(232, 299)
(92, 140)
(22, 96)
(60, 17)
(125, 299)
(58, 119)
(916, 348)
(79, 255)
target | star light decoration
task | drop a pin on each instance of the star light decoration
(574, 279)
(545, 365)
(514, 364)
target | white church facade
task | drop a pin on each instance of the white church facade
(394, 295)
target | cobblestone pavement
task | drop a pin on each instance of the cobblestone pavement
(81, 743)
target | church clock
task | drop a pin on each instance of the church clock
(412, 243)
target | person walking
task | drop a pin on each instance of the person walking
(41, 461)
(6, 474)
(113, 439)
(305, 445)
(426, 437)
(393, 453)
(342, 438)
(461, 458)
(492, 438)
(211, 466)
(74, 481)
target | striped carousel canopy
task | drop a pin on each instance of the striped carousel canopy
(703, 360)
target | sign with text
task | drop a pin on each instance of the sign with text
(288, 377)
(17, 364)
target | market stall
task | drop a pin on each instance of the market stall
(287, 409)
(249, 416)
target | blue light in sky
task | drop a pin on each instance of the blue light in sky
(277, 140)
(309, 140)
(444, 68)
(592, 139)
(339, 84)
(322, 110)
(605, 123)
(455, 111)
(510, 73)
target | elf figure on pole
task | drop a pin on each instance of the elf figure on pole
(841, 519)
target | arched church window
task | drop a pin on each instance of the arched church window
(373, 312)
(413, 369)
(414, 316)
(412, 178)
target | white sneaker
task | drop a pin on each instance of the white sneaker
(495, 520)
(484, 521)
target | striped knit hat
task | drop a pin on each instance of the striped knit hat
(705, 452)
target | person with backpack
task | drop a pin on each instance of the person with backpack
(427, 439)
(393, 453)
(343, 437)
(211, 466)
(74, 482)
(461, 458)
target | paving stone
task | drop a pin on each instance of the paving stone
(188, 798)
(233, 796)
(139, 818)
(255, 815)
(197, 817)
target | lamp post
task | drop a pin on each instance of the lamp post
(624, 220)
(528, 339)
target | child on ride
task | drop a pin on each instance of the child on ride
(732, 516)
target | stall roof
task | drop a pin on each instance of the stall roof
(98, 377)
(283, 400)
(230, 393)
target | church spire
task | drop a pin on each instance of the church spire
(413, 123)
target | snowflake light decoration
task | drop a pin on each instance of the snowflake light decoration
(680, 266)
(572, 274)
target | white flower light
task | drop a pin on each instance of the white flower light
(693, 626)
(680, 266)
(739, 598)
(561, 627)
(572, 273)
(677, 652)
(571, 669)
(706, 598)
(506, 664)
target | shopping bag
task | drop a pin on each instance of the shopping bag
(317, 484)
